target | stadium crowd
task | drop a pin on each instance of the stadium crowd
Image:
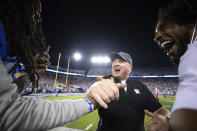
(80, 84)
(165, 85)
(75, 84)
(155, 71)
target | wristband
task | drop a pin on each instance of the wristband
(91, 106)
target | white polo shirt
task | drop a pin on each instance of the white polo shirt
(186, 96)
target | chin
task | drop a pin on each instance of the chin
(117, 77)
(175, 61)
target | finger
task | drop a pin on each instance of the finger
(102, 94)
(154, 128)
(109, 91)
(46, 54)
(43, 61)
(148, 113)
(99, 78)
(48, 48)
(149, 123)
(98, 99)
(110, 88)
(40, 71)
(41, 66)
(112, 79)
(36, 56)
(115, 91)
(113, 88)
(161, 117)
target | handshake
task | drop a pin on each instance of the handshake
(104, 91)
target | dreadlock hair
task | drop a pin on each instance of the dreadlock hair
(22, 24)
(180, 12)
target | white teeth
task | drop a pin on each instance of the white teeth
(117, 70)
(164, 43)
(169, 51)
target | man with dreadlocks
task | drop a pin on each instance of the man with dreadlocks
(21, 22)
(176, 34)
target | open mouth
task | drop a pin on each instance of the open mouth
(117, 70)
(167, 46)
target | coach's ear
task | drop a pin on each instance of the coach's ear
(130, 67)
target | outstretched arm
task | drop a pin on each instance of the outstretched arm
(22, 113)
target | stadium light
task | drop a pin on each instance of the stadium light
(93, 59)
(100, 59)
(106, 59)
(77, 56)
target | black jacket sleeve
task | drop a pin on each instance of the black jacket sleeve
(152, 103)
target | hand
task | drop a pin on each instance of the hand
(157, 123)
(42, 61)
(19, 74)
(104, 91)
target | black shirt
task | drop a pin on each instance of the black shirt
(127, 114)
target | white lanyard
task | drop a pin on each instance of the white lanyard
(194, 39)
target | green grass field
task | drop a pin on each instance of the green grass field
(91, 119)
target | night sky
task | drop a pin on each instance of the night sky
(100, 28)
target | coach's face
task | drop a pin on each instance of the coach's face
(121, 69)
(172, 38)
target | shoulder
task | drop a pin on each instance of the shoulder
(188, 57)
(136, 83)
(107, 77)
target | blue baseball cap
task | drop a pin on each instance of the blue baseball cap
(125, 56)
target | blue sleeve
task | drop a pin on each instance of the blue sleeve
(3, 46)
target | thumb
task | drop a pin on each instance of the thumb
(99, 78)
(112, 79)
(148, 113)
(47, 49)
(120, 85)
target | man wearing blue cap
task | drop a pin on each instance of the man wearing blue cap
(128, 112)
